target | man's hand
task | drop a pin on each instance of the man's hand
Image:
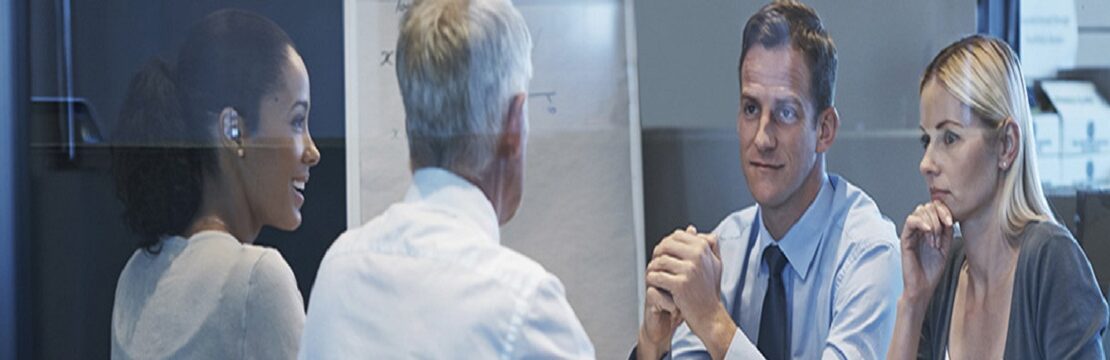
(688, 266)
(661, 318)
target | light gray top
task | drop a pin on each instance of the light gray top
(1057, 311)
(207, 297)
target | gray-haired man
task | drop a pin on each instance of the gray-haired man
(428, 278)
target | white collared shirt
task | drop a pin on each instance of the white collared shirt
(428, 278)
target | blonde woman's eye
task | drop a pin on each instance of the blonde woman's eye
(925, 141)
(950, 137)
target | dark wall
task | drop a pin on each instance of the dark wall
(76, 242)
(7, 180)
(113, 38)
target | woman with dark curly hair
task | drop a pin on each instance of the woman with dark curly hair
(207, 153)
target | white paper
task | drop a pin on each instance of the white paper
(1049, 37)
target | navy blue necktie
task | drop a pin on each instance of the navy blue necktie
(774, 331)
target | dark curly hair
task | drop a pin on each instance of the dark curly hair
(164, 142)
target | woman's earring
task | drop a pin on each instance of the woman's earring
(232, 130)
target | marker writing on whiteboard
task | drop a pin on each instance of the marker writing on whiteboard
(551, 109)
(387, 58)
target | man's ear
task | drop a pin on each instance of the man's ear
(1009, 142)
(511, 142)
(828, 122)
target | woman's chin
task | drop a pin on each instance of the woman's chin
(291, 223)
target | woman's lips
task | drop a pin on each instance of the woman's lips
(298, 191)
(937, 194)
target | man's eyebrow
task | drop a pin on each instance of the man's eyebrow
(789, 100)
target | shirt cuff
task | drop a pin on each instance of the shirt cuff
(632, 356)
(742, 348)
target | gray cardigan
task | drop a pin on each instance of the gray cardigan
(1058, 311)
(207, 297)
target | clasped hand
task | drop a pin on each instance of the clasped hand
(683, 284)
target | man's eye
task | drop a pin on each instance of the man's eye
(787, 114)
(750, 109)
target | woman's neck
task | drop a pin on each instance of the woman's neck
(991, 254)
(224, 210)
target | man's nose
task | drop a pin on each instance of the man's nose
(764, 133)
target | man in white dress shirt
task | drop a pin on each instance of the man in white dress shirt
(429, 278)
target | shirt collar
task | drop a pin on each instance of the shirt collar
(444, 189)
(802, 240)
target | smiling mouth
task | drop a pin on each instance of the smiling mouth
(299, 186)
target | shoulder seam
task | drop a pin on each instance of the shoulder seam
(523, 306)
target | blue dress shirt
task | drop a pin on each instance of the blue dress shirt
(842, 282)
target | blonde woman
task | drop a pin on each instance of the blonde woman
(988, 273)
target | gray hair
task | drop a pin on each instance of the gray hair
(459, 62)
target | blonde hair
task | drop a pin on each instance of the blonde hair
(983, 73)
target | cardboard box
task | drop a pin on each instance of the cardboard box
(1046, 133)
(1090, 171)
(1085, 116)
